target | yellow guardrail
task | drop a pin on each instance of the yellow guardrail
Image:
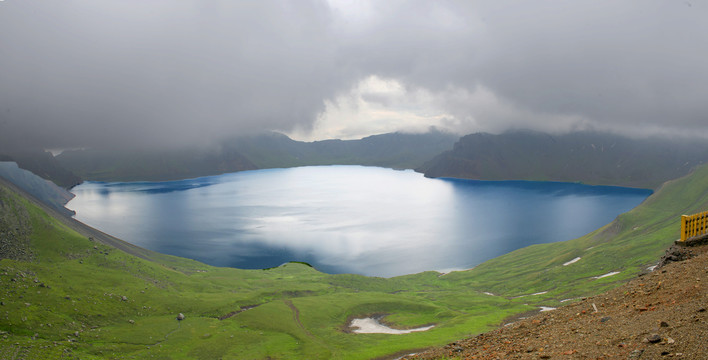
(694, 225)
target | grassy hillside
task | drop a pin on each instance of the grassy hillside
(82, 297)
(65, 294)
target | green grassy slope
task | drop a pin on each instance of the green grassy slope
(628, 245)
(74, 296)
(77, 296)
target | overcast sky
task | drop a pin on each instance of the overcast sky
(76, 73)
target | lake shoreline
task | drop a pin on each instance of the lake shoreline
(345, 219)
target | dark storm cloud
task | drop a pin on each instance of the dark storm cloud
(134, 72)
(130, 73)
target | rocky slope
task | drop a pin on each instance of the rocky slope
(661, 314)
(44, 190)
(41, 163)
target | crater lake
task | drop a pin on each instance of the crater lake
(346, 219)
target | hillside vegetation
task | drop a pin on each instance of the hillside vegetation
(587, 157)
(77, 295)
(70, 292)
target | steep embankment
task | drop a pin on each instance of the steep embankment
(592, 158)
(44, 190)
(661, 314)
(41, 163)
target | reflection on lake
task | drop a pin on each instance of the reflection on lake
(346, 219)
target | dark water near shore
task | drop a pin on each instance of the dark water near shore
(346, 219)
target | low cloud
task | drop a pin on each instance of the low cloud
(164, 73)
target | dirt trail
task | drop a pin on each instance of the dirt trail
(296, 317)
(236, 312)
(179, 325)
(662, 314)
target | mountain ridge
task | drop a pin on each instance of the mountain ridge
(588, 157)
(272, 150)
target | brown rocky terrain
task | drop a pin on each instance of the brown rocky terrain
(661, 314)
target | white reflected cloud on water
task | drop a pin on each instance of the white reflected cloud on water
(365, 220)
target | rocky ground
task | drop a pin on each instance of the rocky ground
(662, 314)
(14, 231)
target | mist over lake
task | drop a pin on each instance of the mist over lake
(346, 219)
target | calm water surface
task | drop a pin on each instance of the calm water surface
(346, 219)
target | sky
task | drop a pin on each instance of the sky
(130, 73)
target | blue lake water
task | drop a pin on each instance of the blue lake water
(346, 219)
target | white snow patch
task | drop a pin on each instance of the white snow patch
(488, 293)
(571, 261)
(651, 268)
(373, 326)
(538, 293)
(606, 275)
(564, 300)
(547, 308)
